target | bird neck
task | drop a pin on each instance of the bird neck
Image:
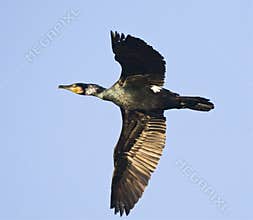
(96, 90)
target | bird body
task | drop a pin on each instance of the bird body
(131, 98)
(142, 100)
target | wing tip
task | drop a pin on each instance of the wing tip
(112, 37)
(121, 210)
(117, 37)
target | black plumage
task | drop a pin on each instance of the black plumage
(142, 102)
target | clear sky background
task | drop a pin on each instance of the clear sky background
(56, 147)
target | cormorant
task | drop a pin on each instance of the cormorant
(142, 100)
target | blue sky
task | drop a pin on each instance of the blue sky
(56, 147)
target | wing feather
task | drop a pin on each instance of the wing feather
(138, 60)
(136, 156)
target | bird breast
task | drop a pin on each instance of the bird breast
(130, 98)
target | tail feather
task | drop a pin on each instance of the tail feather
(195, 103)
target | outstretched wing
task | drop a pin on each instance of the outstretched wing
(136, 156)
(138, 58)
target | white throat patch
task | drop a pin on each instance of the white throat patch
(155, 88)
(90, 90)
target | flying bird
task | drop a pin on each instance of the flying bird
(142, 100)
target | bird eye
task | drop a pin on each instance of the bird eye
(74, 85)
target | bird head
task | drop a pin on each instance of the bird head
(81, 88)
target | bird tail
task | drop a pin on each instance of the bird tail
(195, 103)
